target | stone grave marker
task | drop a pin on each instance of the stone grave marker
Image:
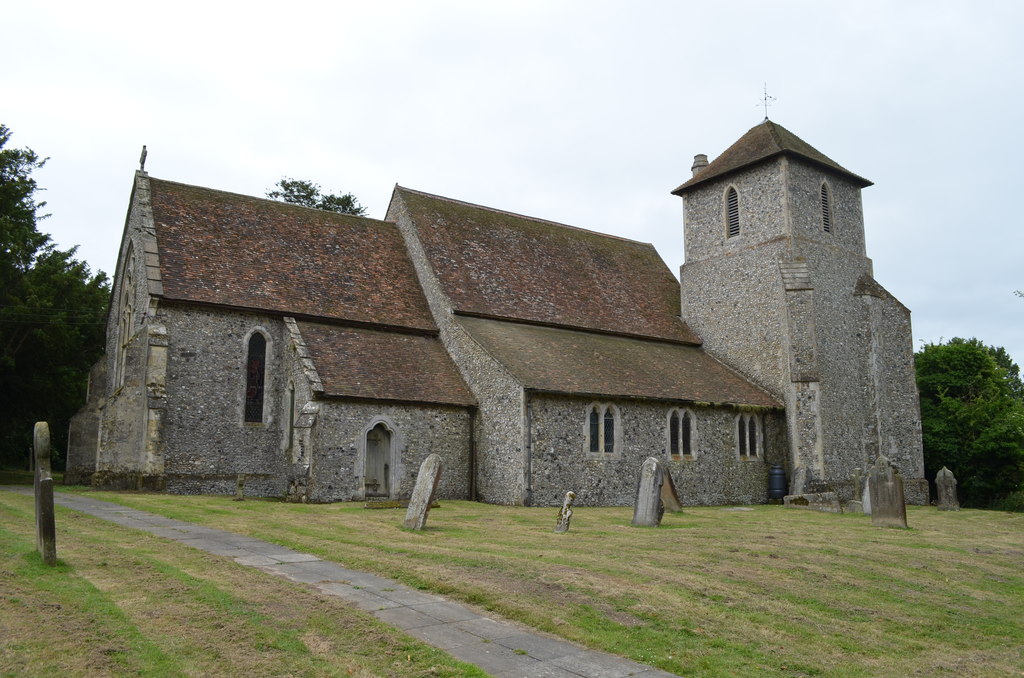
(669, 496)
(945, 484)
(565, 513)
(240, 487)
(46, 528)
(856, 505)
(423, 493)
(648, 507)
(865, 495)
(799, 484)
(888, 505)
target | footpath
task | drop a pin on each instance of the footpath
(499, 647)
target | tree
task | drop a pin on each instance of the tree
(52, 315)
(307, 194)
(971, 420)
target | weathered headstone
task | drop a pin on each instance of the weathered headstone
(865, 495)
(240, 487)
(799, 484)
(669, 496)
(856, 505)
(945, 484)
(423, 493)
(46, 528)
(565, 513)
(888, 505)
(648, 508)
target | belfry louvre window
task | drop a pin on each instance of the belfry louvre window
(255, 370)
(826, 208)
(732, 213)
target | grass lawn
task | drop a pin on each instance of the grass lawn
(121, 602)
(712, 592)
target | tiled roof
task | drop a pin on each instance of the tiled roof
(569, 361)
(497, 264)
(762, 142)
(234, 250)
(379, 365)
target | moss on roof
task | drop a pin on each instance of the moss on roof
(228, 249)
(761, 143)
(569, 361)
(498, 264)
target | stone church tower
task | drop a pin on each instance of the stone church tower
(778, 285)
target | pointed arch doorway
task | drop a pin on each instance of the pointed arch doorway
(377, 478)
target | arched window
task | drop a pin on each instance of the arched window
(595, 430)
(255, 372)
(602, 430)
(732, 213)
(126, 319)
(681, 434)
(826, 208)
(748, 436)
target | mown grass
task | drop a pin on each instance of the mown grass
(769, 591)
(121, 602)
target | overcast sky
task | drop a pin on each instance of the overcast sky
(587, 113)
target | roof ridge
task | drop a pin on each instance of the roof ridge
(265, 199)
(522, 216)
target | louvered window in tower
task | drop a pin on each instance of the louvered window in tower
(826, 209)
(732, 213)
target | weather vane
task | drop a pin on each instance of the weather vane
(766, 101)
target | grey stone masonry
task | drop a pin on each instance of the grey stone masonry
(46, 527)
(499, 647)
(565, 513)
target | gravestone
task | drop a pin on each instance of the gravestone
(423, 493)
(565, 513)
(46, 528)
(888, 505)
(827, 502)
(865, 495)
(648, 507)
(669, 496)
(945, 483)
(240, 487)
(856, 505)
(799, 485)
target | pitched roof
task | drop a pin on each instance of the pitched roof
(235, 250)
(761, 143)
(498, 264)
(377, 365)
(568, 361)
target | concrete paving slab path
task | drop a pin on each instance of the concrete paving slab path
(499, 647)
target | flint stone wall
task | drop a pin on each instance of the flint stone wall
(716, 474)
(417, 430)
(501, 470)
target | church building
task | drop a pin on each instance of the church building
(324, 356)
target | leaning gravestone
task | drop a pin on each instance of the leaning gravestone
(648, 508)
(423, 493)
(945, 484)
(46, 529)
(565, 513)
(888, 505)
(669, 496)
(865, 495)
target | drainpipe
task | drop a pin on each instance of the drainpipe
(472, 454)
(528, 501)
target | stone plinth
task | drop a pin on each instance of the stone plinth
(827, 502)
